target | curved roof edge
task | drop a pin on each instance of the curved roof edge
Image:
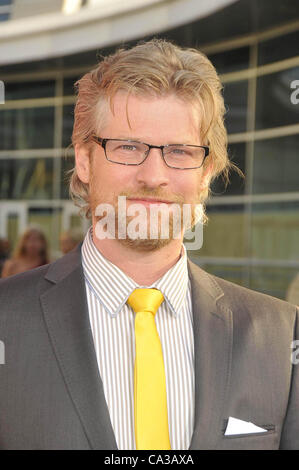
(114, 21)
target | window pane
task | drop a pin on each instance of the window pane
(223, 236)
(24, 90)
(12, 230)
(230, 61)
(68, 85)
(86, 58)
(68, 122)
(49, 220)
(281, 156)
(27, 128)
(235, 99)
(48, 65)
(236, 186)
(236, 274)
(26, 178)
(75, 222)
(271, 280)
(292, 292)
(273, 99)
(282, 47)
(266, 14)
(275, 231)
(244, 17)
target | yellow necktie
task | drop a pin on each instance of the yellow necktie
(150, 401)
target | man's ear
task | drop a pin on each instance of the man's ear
(82, 158)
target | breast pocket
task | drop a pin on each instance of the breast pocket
(268, 440)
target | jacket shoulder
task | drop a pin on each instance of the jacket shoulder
(251, 297)
(53, 272)
(22, 280)
(242, 298)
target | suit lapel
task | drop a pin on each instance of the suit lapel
(66, 315)
(212, 355)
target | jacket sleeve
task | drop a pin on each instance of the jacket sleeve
(290, 431)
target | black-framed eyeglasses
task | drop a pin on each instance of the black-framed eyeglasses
(131, 152)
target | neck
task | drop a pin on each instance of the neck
(144, 267)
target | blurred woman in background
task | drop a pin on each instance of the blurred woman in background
(30, 252)
(4, 252)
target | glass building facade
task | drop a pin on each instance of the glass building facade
(5, 10)
(252, 237)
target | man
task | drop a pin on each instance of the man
(124, 343)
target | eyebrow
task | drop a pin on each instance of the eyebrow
(129, 138)
(136, 139)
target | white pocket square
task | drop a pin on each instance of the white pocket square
(237, 426)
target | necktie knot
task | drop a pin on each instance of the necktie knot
(145, 300)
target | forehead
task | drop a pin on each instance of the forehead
(148, 116)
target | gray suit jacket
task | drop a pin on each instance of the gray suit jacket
(51, 394)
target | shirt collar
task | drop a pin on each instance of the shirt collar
(112, 286)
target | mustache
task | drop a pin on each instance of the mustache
(153, 193)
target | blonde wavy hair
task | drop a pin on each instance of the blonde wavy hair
(154, 68)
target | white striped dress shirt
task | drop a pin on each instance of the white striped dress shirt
(112, 324)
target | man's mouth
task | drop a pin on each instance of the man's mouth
(148, 201)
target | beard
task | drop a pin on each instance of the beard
(169, 222)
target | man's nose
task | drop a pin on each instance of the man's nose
(153, 172)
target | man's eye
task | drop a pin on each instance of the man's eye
(177, 151)
(128, 147)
